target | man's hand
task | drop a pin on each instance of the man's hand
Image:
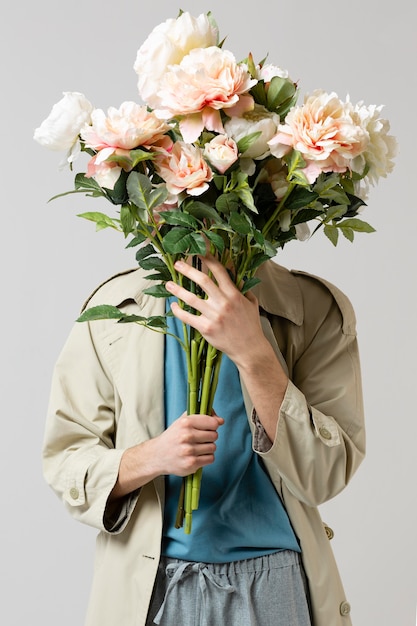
(184, 447)
(230, 321)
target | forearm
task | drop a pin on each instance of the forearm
(184, 447)
(138, 466)
(266, 383)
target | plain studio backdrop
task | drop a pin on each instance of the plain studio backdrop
(51, 260)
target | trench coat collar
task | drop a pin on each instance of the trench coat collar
(278, 292)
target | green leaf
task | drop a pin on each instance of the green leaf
(258, 93)
(118, 195)
(153, 321)
(127, 220)
(202, 211)
(178, 218)
(86, 184)
(249, 284)
(357, 225)
(139, 188)
(137, 240)
(215, 239)
(139, 155)
(348, 233)
(100, 312)
(332, 233)
(156, 263)
(157, 197)
(240, 223)
(227, 202)
(335, 212)
(246, 142)
(305, 215)
(257, 260)
(101, 220)
(145, 251)
(246, 197)
(294, 160)
(158, 291)
(300, 198)
(183, 240)
(280, 91)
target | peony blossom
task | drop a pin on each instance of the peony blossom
(128, 127)
(382, 147)
(206, 81)
(259, 119)
(166, 46)
(325, 133)
(60, 130)
(184, 169)
(221, 152)
(267, 72)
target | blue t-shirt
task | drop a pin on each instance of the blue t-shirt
(240, 514)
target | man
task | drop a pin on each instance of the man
(116, 445)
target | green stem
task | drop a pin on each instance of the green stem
(277, 211)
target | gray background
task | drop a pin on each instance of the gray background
(51, 260)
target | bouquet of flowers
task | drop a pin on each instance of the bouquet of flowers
(219, 158)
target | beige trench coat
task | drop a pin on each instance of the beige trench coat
(106, 395)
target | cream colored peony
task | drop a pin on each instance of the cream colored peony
(259, 119)
(60, 130)
(382, 147)
(166, 46)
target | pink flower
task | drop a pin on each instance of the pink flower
(128, 127)
(104, 172)
(325, 133)
(184, 169)
(221, 152)
(206, 81)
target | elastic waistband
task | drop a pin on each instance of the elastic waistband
(276, 560)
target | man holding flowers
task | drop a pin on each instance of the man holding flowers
(218, 171)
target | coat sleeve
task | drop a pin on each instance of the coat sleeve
(320, 436)
(80, 461)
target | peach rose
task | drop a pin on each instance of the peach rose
(184, 169)
(221, 152)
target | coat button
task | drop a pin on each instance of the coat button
(345, 608)
(329, 532)
(74, 493)
(326, 434)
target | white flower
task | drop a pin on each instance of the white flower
(382, 147)
(302, 231)
(268, 71)
(61, 128)
(258, 120)
(166, 46)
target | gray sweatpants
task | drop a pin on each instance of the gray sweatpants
(264, 591)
